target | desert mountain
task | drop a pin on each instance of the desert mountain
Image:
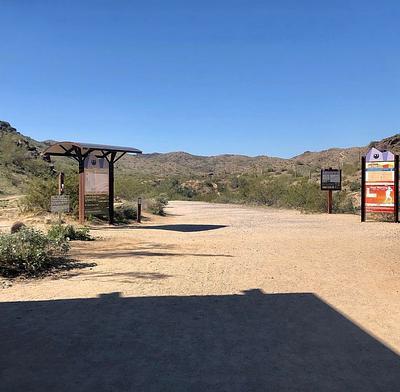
(20, 159)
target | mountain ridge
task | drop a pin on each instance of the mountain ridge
(177, 163)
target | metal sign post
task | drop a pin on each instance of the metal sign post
(363, 165)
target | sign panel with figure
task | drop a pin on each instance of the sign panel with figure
(380, 187)
(379, 198)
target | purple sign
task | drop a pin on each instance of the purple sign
(374, 155)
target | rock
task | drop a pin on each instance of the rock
(17, 226)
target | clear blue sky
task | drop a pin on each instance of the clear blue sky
(206, 77)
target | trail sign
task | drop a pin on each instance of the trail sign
(96, 185)
(331, 179)
(59, 203)
(379, 187)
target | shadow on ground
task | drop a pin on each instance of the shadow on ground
(182, 228)
(127, 250)
(251, 342)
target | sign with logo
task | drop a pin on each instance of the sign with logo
(59, 203)
(96, 185)
(331, 179)
(380, 181)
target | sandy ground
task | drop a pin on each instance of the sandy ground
(327, 281)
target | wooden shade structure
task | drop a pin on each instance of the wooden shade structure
(79, 152)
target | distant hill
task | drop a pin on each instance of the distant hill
(181, 163)
(20, 159)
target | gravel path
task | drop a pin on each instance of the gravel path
(310, 301)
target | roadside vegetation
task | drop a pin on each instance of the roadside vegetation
(281, 190)
(27, 251)
(30, 252)
(60, 232)
(259, 181)
(275, 189)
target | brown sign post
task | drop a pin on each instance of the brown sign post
(81, 152)
(331, 180)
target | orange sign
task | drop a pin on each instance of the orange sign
(379, 198)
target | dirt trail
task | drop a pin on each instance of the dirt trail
(209, 249)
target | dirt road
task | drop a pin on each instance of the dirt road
(216, 297)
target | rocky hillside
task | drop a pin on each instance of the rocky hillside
(391, 143)
(181, 163)
(20, 159)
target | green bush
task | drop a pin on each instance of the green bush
(38, 195)
(69, 233)
(39, 191)
(355, 186)
(125, 213)
(343, 203)
(305, 196)
(156, 206)
(29, 251)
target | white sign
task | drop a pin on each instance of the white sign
(96, 175)
(59, 203)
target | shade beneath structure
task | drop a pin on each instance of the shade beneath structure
(81, 151)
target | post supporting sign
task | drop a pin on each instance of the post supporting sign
(96, 174)
(380, 185)
(331, 180)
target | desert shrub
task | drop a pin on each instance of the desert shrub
(305, 196)
(38, 194)
(69, 233)
(29, 251)
(157, 205)
(39, 191)
(130, 187)
(343, 203)
(125, 213)
(355, 186)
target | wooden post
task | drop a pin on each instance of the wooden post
(396, 188)
(139, 210)
(363, 167)
(111, 189)
(81, 190)
(60, 192)
(61, 184)
(330, 202)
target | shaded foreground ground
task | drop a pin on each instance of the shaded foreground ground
(213, 298)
